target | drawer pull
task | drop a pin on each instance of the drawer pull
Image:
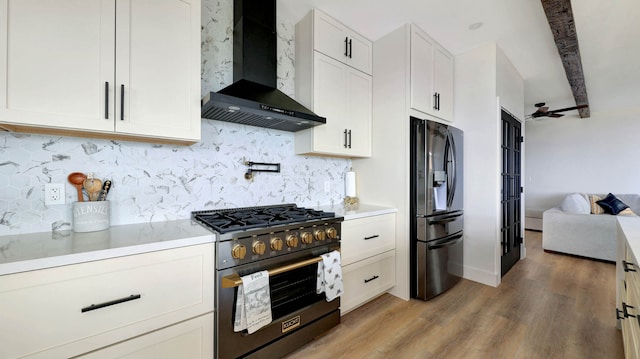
(371, 237)
(370, 279)
(625, 265)
(624, 310)
(113, 302)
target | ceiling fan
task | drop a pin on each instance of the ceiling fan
(543, 111)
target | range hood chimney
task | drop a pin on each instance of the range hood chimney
(253, 98)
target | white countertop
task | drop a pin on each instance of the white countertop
(362, 210)
(631, 228)
(26, 252)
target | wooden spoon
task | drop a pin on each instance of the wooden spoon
(93, 186)
(77, 180)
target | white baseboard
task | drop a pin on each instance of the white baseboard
(481, 276)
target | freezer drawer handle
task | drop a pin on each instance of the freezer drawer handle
(371, 237)
(370, 279)
(445, 219)
(446, 241)
(110, 303)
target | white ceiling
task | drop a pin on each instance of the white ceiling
(608, 34)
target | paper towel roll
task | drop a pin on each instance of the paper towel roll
(350, 184)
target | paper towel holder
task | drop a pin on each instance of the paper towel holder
(350, 200)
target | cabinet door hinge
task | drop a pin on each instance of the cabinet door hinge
(521, 139)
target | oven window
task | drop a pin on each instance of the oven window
(292, 290)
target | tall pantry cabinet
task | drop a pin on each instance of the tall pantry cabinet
(101, 67)
(403, 86)
(333, 79)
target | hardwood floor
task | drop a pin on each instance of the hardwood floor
(547, 306)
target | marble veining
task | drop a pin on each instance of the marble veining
(154, 182)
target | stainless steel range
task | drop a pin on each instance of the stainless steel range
(287, 241)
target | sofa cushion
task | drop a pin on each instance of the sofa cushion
(575, 203)
(611, 204)
(595, 207)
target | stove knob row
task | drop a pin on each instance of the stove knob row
(276, 244)
(238, 251)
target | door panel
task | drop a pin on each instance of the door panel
(511, 225)
(439, 267)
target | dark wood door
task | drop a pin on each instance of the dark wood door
(511, 224)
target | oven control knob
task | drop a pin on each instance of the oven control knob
(292, 240)
(258, 247)
(332, 233)
(319, 234)
(238, 251)
(276, 244)
(306, 238)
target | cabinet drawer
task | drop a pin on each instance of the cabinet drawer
(78, 304)
(366, 237)
(190, 339)
(366, 279)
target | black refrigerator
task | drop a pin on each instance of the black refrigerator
(436, 207)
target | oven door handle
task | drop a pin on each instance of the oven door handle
(234, 280)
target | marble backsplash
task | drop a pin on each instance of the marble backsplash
(164, 182)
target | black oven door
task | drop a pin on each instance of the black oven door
(299, 314)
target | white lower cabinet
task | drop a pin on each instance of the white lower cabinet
(368, 259)
(191, 339)
(75, 309)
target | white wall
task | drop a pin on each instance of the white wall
(475, 113)
(481, 75)
(599, 154)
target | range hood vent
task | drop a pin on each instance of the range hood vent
(253, 98)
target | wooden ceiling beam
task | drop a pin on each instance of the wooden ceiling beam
(563, 28)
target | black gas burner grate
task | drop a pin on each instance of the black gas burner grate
(229, 220)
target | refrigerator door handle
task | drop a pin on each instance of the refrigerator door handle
(446, 241)
(444, 219)
(450, 148)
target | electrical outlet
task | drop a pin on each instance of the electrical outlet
(53, 193)
(327, 186)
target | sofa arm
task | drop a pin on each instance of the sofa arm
(587, 235)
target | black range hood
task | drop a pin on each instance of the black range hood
(253, 98)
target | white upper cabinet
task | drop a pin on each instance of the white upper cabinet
(108, 68)
(335, 86)
(335, 40)
(431, 76)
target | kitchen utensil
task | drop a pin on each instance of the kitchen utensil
(93, 187)
(106, 186)
(77, 180)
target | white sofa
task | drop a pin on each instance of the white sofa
(587, 235)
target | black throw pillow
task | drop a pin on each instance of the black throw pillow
(611, 204)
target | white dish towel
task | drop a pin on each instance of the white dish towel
(253, 305)
(330, 276)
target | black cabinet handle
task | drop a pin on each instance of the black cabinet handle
(435, 100)
(122, 102)
(349, 138)
(106, 100)
(346, 46)
(624, 310)
(626, 265)
(438, 101)
(370, 279)
(350, 48)
(113, 302)
(371, 237)
(345, 138)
